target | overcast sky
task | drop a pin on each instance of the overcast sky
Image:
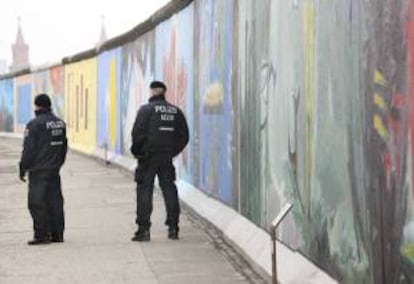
(55, 29)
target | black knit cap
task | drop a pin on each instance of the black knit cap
(43, 100)
(158, 84)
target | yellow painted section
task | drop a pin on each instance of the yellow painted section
(379, 101)
(80, 104)
(308, 18)
(380, 127)
(379, 78)
(112, 103)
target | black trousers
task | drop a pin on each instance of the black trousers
(144, 176)
(46, 204)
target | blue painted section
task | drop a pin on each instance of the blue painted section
(214, 81)
(102, 113)
(6, 106)
(24, 107)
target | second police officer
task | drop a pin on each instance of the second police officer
(44, 152)
(159, 134)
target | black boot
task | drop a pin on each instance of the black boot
(173, 233)
(36, 242)
(142, 235)
(57, 239)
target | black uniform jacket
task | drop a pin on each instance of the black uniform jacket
(45, 143)
(160, 130)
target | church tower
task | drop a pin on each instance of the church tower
(20, 52)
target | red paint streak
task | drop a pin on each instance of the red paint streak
(175, 76)
(410, 56)
(56, 79)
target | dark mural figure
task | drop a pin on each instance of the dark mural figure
(380, 212)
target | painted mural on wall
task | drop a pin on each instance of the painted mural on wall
(213, 88)
(80, 104)
(23, 98)
(56, 90)
(108, 104)
(332, 128)
(407, 249)
(6, 106)
(40, 82)
(174, 65)
(137, 73)
(385, 141)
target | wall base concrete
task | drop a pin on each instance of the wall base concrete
(252, 242)
(11, 135)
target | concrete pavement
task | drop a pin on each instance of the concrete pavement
(100, 211)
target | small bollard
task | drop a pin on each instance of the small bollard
(275, 224)
(106, 154)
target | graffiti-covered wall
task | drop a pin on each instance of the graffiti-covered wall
(56, 90)
(302, 101)
(109, 101)
(6, 106)
(23, 101)
(137, 72)
(325, 123)
(81, 104)
(174, 64)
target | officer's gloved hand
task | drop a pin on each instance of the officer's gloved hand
(142, 160)
(22, 173)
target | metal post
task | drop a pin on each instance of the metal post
(275, 224)
(106, 153)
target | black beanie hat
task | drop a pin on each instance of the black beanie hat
(158, 84)
(43, 100)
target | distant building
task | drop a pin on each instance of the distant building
(3, 66)
(20, 52)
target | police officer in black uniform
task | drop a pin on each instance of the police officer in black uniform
(160, 133)
(44, 152)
